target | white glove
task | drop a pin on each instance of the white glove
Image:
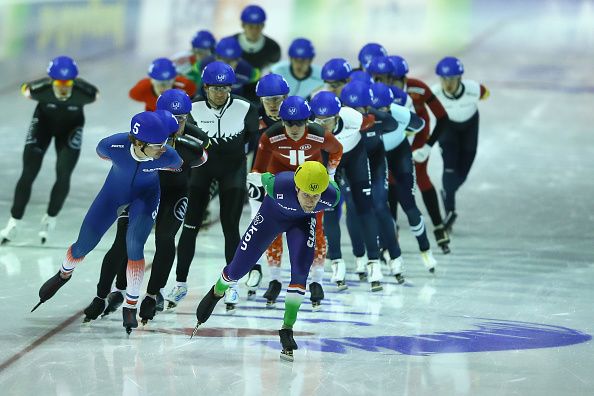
(254, 178)
(254, 186)
(421, 155)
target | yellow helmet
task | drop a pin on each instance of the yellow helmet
(312, 177)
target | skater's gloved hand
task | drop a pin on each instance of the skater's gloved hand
(254, 185)
(421, 155)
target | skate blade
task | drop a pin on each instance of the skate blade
(230, 310)
(340, 286)
(195, 330)
(171, 305)
(399, 278)
(445, 249)
(432, 270)
(376, 288)
(87, 320)
(43, 240)
(5, 241)
(38, 304)
(362, 277)
(287, 355)
(129, 330)
(271, 305)
(316, 308)
(144, 322)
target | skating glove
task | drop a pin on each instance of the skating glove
(254, 185)
(421, 155)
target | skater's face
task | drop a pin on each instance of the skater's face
(450, 84)
(150, 149)
(381, 78)
(233, 62)
(335, 86)
(398, 82)
(217, 94)
(62, 88)
(201, 53)
(300, 66)
(272, 104)
(328, 122)
(307, 201)
(253, 31)
(295, 128)
(160, 86)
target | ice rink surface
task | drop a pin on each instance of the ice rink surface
(508, 312)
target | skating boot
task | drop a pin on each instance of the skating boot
(449, 220)
(148, 309)
(397, 268)
(95, 308)
(253, 283)
(114, 300)
(130, 322)
(288, 343)
(48, 224)
(49, 288)
(361, 267)
(10, 231)
(160, 306)
(316, 296)
(274, 289)
(339, 273)
(231, 298)
(205, 308)
(428, 260)
(374, 275)
(176, 295)
(442, 238)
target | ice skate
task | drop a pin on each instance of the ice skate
(231, 299)
(176, 295)
(10, 231)
(253, 283)
(288, 343)
(374, 275)
(442, 238)
(130, 322)
(428, 260)
(339, 273)
(449, 220)
(114, 300)
(205, 308)
(361, 269)
(160, 306)
(274, 289)
(316, 296)
(95, 308)
(48, 224)
(50, 287)
(397, 268)
(148, 309)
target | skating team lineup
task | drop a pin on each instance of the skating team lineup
(304, 145)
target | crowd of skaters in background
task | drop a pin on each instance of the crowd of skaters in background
(254, 114)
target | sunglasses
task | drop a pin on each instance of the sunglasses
(323, 121)
(298, 123)
(63, 83)
(219, 88)
(157, 146)
(336, 83)
(181, 117)
(273, 99)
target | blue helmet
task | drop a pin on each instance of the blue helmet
(449, 66)
(400, 97)
(336, 69)
(325, 103)
(294, 108)
(203, 39)
(169, 120)
(175, 101)
(400, 66)
(302, 48)
(356, 94)
(370, 51)
(380, 65)
(382, 95)
(272, 85)
(228, 47)
(360, 75)
(62, 68)
(218, 73)
(149, 127)
(253, 14)
(162, 69)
